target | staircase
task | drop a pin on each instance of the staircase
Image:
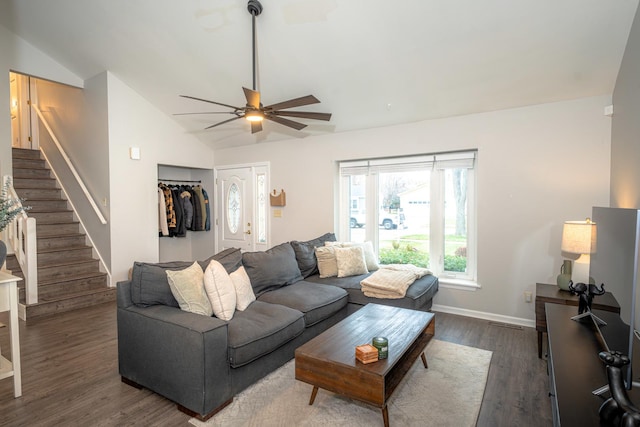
(68, 276)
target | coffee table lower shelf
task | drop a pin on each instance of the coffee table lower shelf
(328, 361)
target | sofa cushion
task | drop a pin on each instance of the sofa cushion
(305, 253)
(220, 290)
(230, 258)
(188, 289)
(369, 255)
(272, 268)
(244, 291)
(261, 329)
(149, 283)
(350, 261)
(327, 264)
(418, 297)
(316, 302)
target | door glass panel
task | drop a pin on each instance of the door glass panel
(262, 208)
(233, 208)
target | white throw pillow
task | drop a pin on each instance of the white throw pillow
(327, 265)
(220, 290)
(369, 256)
(350, 261)
(244, 291)
(186, 287)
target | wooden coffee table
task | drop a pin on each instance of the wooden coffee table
(328, 361)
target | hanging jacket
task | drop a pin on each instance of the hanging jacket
(196, 224)
(203, 207)
(180, 230)
(187, 207)
(207, 223)
(163, 229)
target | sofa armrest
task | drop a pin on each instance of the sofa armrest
(123, 294)
(180, 355)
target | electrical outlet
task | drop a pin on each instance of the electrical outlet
(527, 296)
(104, 202)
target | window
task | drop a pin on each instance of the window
(416, 210)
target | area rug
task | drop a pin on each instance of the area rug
(449, 393)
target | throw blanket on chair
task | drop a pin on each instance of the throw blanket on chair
(392, 281)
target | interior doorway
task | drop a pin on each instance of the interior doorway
(22, 94)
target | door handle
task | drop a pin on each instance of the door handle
(247, 232)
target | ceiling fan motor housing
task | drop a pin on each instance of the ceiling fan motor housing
(254, 7)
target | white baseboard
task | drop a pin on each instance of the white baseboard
(529, 323)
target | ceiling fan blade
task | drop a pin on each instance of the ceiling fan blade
(256, 127)
(223, 122)
(286, 122)
(304, 115)
(206, 112)
(211, 102)
(253, 97)
(297, 102)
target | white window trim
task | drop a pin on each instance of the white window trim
(437, 162)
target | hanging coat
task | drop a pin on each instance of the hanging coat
(162, 214)
(207, 222)
(187, 207)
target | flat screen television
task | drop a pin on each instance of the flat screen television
(615, 264)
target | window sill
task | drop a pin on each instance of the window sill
(460, 284)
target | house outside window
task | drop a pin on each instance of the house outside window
(417, 210)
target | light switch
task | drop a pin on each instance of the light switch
(277, 213)
(134, 153)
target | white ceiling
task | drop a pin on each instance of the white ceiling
(371, 63)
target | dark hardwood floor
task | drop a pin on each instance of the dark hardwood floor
(70, 374)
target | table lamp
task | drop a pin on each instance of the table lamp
(579, 237)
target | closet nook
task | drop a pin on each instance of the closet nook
(186, 218)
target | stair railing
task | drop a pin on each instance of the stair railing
(80, 182)
(21, 234)
(73, 170)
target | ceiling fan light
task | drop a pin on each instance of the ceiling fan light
(254, 116)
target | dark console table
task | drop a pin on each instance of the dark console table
(553, 294)
(575, 369)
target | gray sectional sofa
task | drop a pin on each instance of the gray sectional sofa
(201, 362)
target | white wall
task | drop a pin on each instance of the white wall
(134, 122)
(625, 136)
(18, 55)
(78, 118)
(537, 167)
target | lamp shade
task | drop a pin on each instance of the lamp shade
(579, 237)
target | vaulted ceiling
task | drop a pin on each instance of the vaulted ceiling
(371, 63)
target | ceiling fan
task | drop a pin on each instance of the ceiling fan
(254, 111)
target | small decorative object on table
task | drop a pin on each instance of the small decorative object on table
(366, 353)
(564, 278)
(382, 345)
(618, 410)
(586, 293)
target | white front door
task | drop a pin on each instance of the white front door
(241, 208)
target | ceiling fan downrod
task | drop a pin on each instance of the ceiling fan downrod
(255, 8)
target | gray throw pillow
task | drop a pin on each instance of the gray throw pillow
(271, 269)
(306, 255)
(149, 283)
(230, 258)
